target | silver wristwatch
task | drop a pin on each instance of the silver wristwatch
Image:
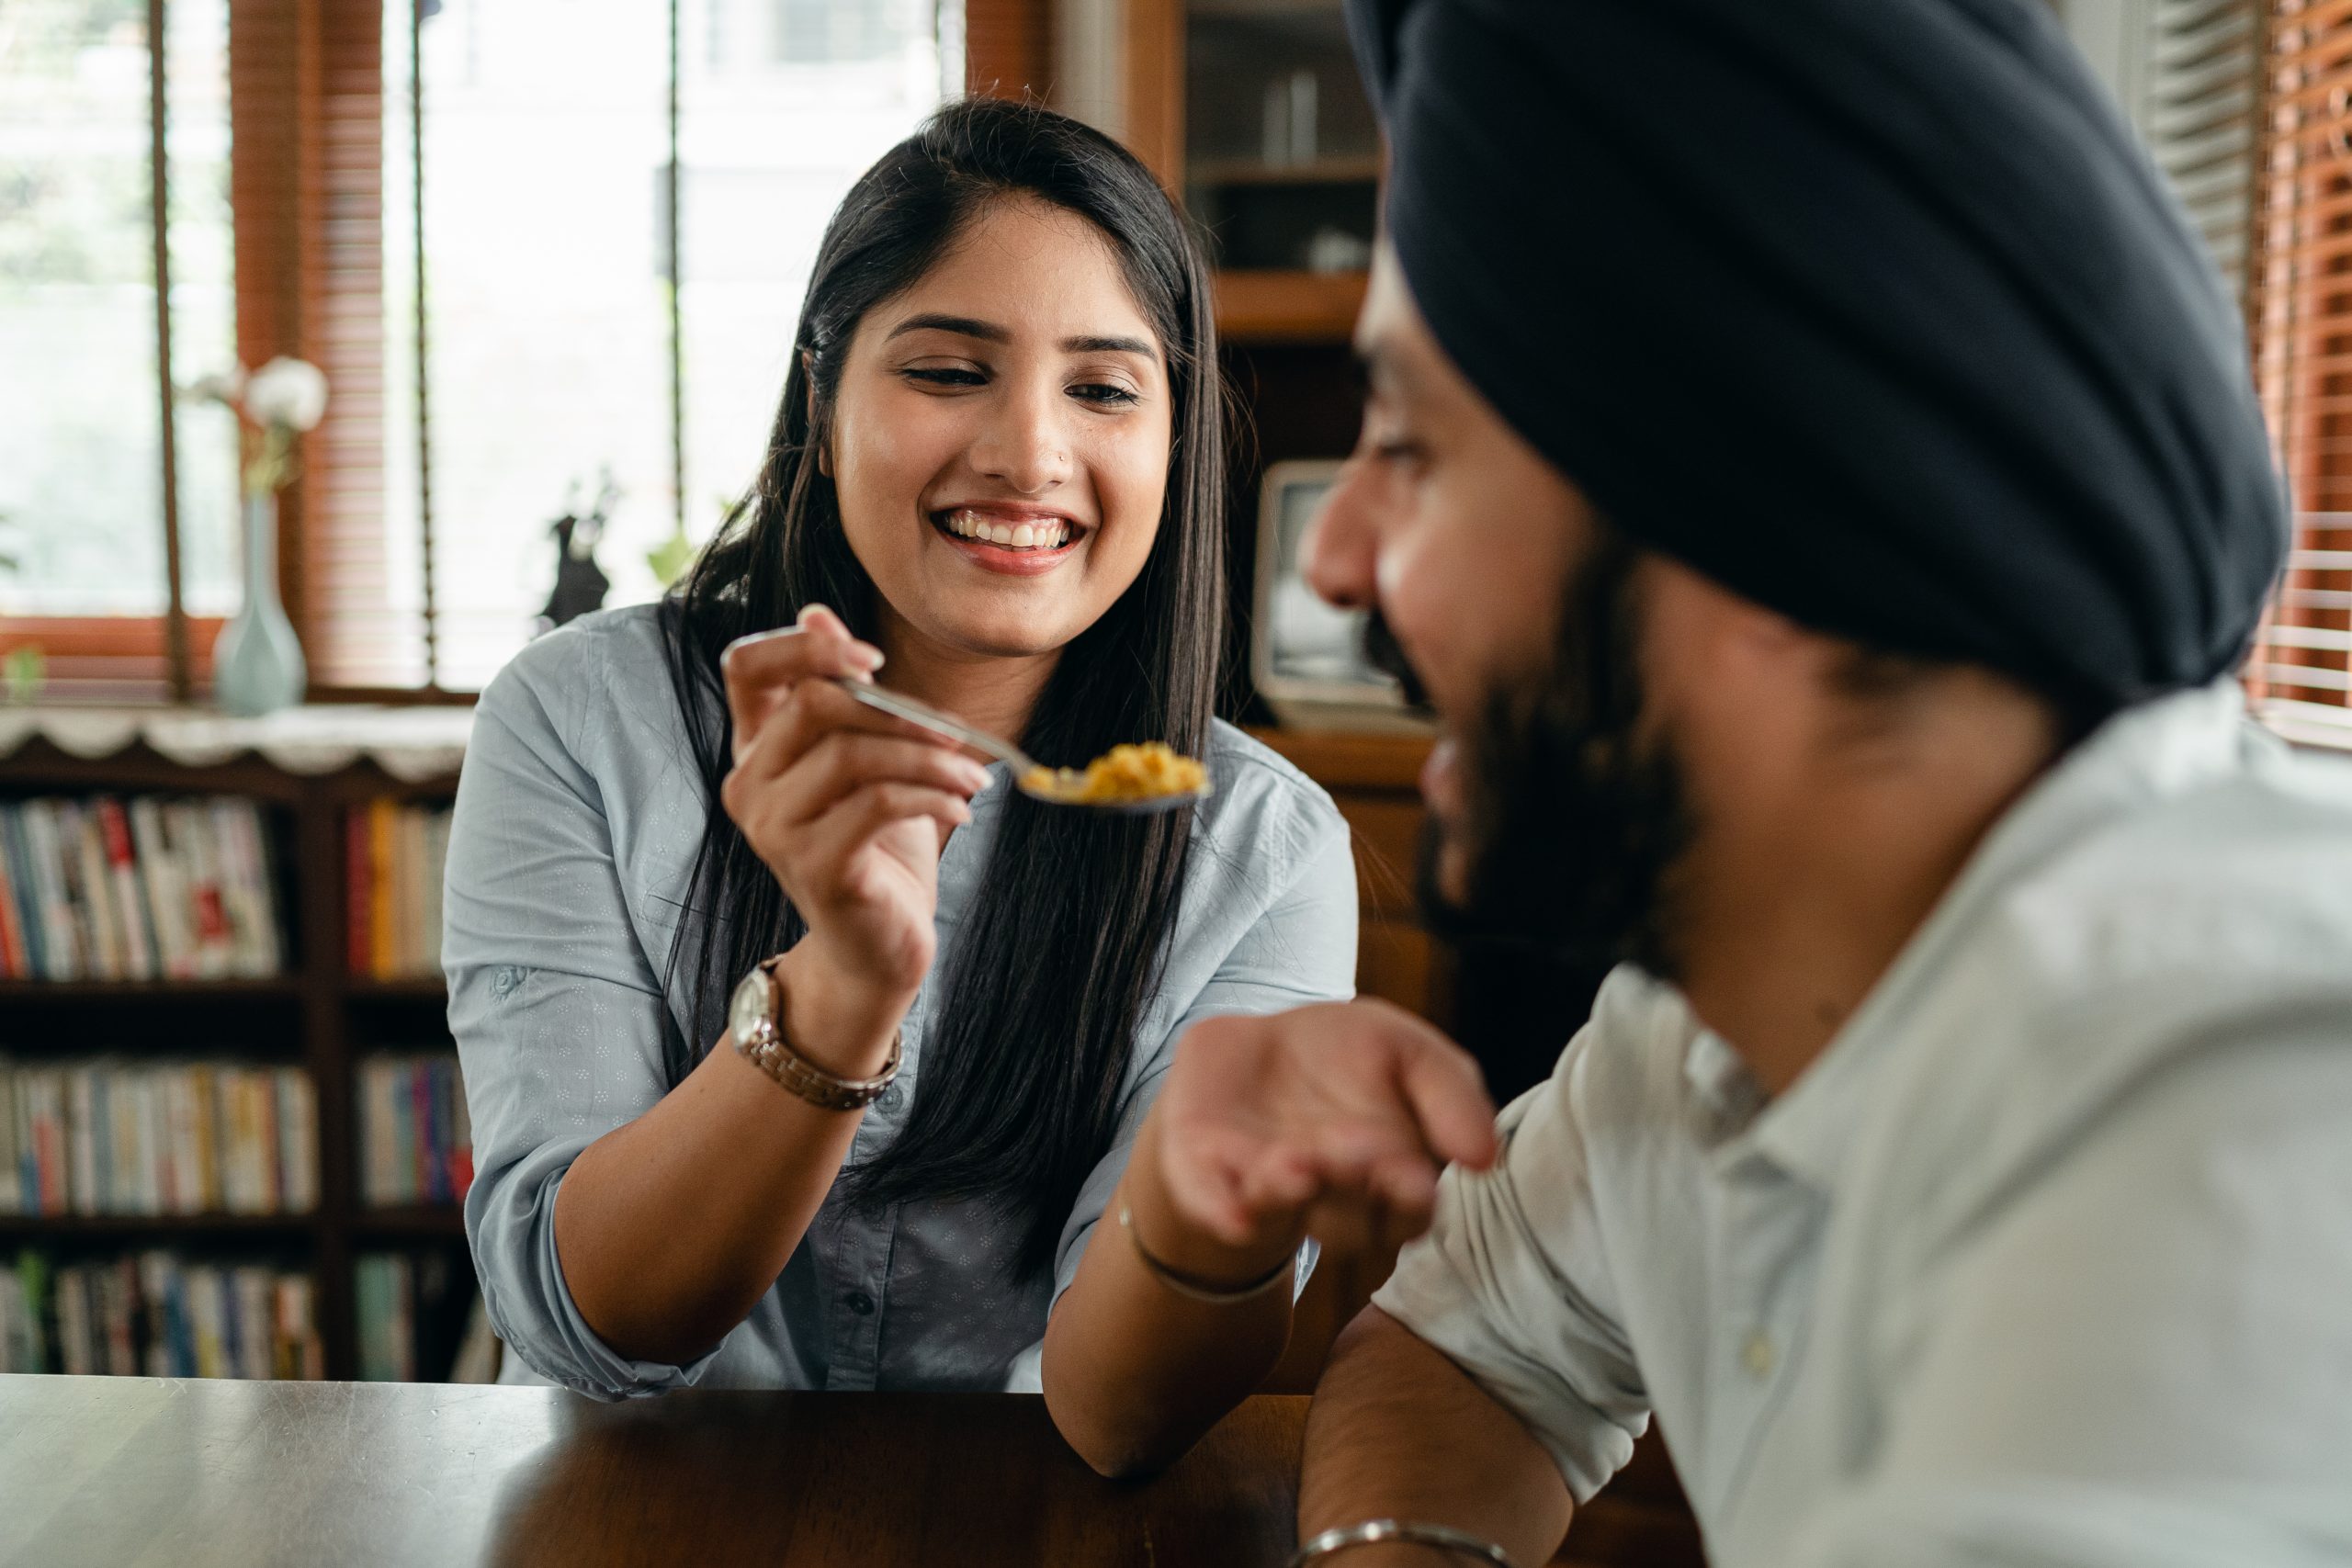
(755, 1021)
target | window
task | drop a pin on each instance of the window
(588, 342)
(2300, 294)
(96, 462)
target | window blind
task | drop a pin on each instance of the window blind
(2300, 312)
(305, 84)
(2199, 116)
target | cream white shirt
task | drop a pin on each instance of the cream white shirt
(2046, 1260)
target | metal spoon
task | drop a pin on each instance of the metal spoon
(1052, 786)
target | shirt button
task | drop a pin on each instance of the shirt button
(1758, 1355)
(859, 1303)
(892, 1097)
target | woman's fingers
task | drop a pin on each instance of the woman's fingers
(1339, 1175)
(844, 762)
(1207, 1184)
(1448, 1096)
(1283, 1179)
(803, 719)
(760, 670)
(1424, 1079)
(837, 835)
(1406, 1189)
(1338, 1111)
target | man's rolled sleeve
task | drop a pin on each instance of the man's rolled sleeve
(1509, 1284)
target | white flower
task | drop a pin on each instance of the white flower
(289, 392)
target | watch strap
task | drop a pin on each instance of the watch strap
(766, 1047)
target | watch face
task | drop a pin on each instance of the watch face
(753, 1007)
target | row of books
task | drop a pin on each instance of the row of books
(109, 1136)
(157, 1314)
(416, 1143)
(144, 888)
(415, 1321)
(395, 854)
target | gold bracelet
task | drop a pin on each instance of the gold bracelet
(1194, 1290)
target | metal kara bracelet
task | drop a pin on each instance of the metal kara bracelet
(1194, 1290)
(1378, 1532)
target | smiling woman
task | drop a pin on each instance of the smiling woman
(1016, 403)
(996, 470)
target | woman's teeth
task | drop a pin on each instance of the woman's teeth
(1045, 534)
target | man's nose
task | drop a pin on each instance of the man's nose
(1025, 443)
(1339, 555)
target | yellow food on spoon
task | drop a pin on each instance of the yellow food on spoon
(1123, 774)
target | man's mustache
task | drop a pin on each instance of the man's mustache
(1385, 654)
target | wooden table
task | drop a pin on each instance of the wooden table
(123, 1472)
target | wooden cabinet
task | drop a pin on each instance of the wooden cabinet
(1373, 779)
(1251, 113)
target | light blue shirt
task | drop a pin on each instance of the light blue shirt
(578, 813)
(2046, 1260)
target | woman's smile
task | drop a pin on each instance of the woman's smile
(1011, 539)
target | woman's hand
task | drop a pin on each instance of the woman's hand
(848, 807)
(1331, 1120)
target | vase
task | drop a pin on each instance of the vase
(257, 663)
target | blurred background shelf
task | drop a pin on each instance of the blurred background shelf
(79, 993)
(403, 988)
(439, 1220)
(1357, 170)
(154, 1227)
(1268, 306)
(317, 1016)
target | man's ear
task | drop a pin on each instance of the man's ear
(825, 436)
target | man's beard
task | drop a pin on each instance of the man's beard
(1572, 821)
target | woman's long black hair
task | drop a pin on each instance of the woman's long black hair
(1048, 974)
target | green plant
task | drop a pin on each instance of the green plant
(22, 671)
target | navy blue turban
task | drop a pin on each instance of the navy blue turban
(1872, 311)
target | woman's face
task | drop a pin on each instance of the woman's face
(1000, 438)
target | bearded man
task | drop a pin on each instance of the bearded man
(1812, 469)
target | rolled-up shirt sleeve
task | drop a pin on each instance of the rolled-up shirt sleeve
(560, 1020)
(1511, 1284)
(1300, 950)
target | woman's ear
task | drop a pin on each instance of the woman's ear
(816, 425)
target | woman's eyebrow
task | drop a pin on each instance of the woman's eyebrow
(1109, 346)
(989, 331)
(962, 326)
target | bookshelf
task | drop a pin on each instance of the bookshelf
(321, 1016)
(315, 1015)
